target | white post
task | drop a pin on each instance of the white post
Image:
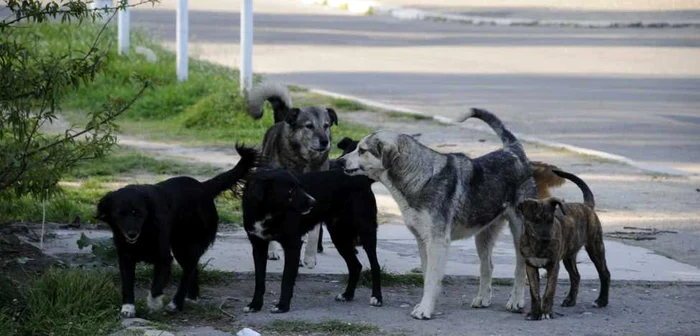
(123, 30)
(246, 66)
(100, 4)
(181, 39)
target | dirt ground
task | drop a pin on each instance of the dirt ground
(636, 308)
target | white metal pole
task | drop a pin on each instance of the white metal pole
(181, 39)
(246, 66)
(123, 30)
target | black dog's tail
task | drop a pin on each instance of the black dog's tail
(588, 198)
(510, 142)
(278, 96)
(249, 159)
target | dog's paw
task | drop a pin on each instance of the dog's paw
(537, 316)
(481, 302)
(375, 302)
(310, 261)
(277, 309)
(600, 303)
(515, 305)
(272, 255)
(155, 304)
(250, 309)
(421, 312)
(569, 302)
(128, 311)
(172, 307)
(343, 298)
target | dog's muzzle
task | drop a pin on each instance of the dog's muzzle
(131, 239)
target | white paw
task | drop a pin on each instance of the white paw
(546, 316)
(515, 305)
(373, 301)
(272, 255)
(171, 307)
(154, 303)
(422, 312)
(310, 261)
(247, 309)
(128, 310)
(340, 297)
(481, 301)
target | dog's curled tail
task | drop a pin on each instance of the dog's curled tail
(278, 96)
(588, 198)
(545, 178)
(250, 158)
(510, 142)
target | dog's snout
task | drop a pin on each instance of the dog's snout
(132, 234)
(341, 162)
(323, 143)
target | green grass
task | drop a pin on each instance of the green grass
(66, 302)
(391, 279)
(333, 327)
(408, 116)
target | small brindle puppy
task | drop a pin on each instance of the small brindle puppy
(551, 236)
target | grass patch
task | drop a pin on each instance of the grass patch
(66, 302)
(126, 161)
(408, 116)
(334, 327)
(391, 279)
(347, 105)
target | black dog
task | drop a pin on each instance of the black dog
(276, 206)
(178, 214)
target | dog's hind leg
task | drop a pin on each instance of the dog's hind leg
(436, 249)
(319, 247)
(485, 240)
(344, 243)
(260, 248)
(596, 251)
(193, 287)
(574, 279)
(369, 244)
(516, 302)
(311, 244)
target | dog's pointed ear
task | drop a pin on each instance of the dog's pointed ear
(344, 143)
(554, 203)
(526, 204)
(332, 116)
(292, 116)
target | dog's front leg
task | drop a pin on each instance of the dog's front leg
(421, 248)
(516, 302)
(437, 249)
(548, 298)
(533, 277)
(161, 273)
(127, 267)
(292, 253)
(260, 260)
(311, 247)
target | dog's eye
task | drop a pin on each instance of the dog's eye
(310, 126)
(361, 151)
(325, 126)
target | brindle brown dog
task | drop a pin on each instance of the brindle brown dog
(551, 236)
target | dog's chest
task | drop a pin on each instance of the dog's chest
(259, 229)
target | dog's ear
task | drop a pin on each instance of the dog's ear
(554, 203)
(526, 205)
(104, 207)
(292, 115)
(332, 116)
(343, 144)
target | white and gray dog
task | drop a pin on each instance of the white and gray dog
(300, 141)
(443, 197)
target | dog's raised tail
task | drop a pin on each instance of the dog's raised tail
(249, 159)
(278, 96)
(588, 198)
(509, 140)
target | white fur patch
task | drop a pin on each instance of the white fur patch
(154, 303)
(171, 306)
(258, 229)
(128, 310)
(374, 302)
(247, 309)
(340, 297)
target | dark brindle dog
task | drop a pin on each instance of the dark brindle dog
(551, 236)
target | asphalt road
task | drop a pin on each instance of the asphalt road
(630, 92)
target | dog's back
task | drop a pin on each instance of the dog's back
(580, 217)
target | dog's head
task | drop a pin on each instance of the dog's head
(375, 154)
(126, 211)
(311, 129)
(539, 216)
(276, 191)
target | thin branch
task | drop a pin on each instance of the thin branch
(45, 12)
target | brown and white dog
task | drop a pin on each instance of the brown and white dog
(551, 236)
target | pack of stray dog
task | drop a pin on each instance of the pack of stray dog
(290, 189)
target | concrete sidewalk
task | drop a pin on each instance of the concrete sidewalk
(586, 14)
